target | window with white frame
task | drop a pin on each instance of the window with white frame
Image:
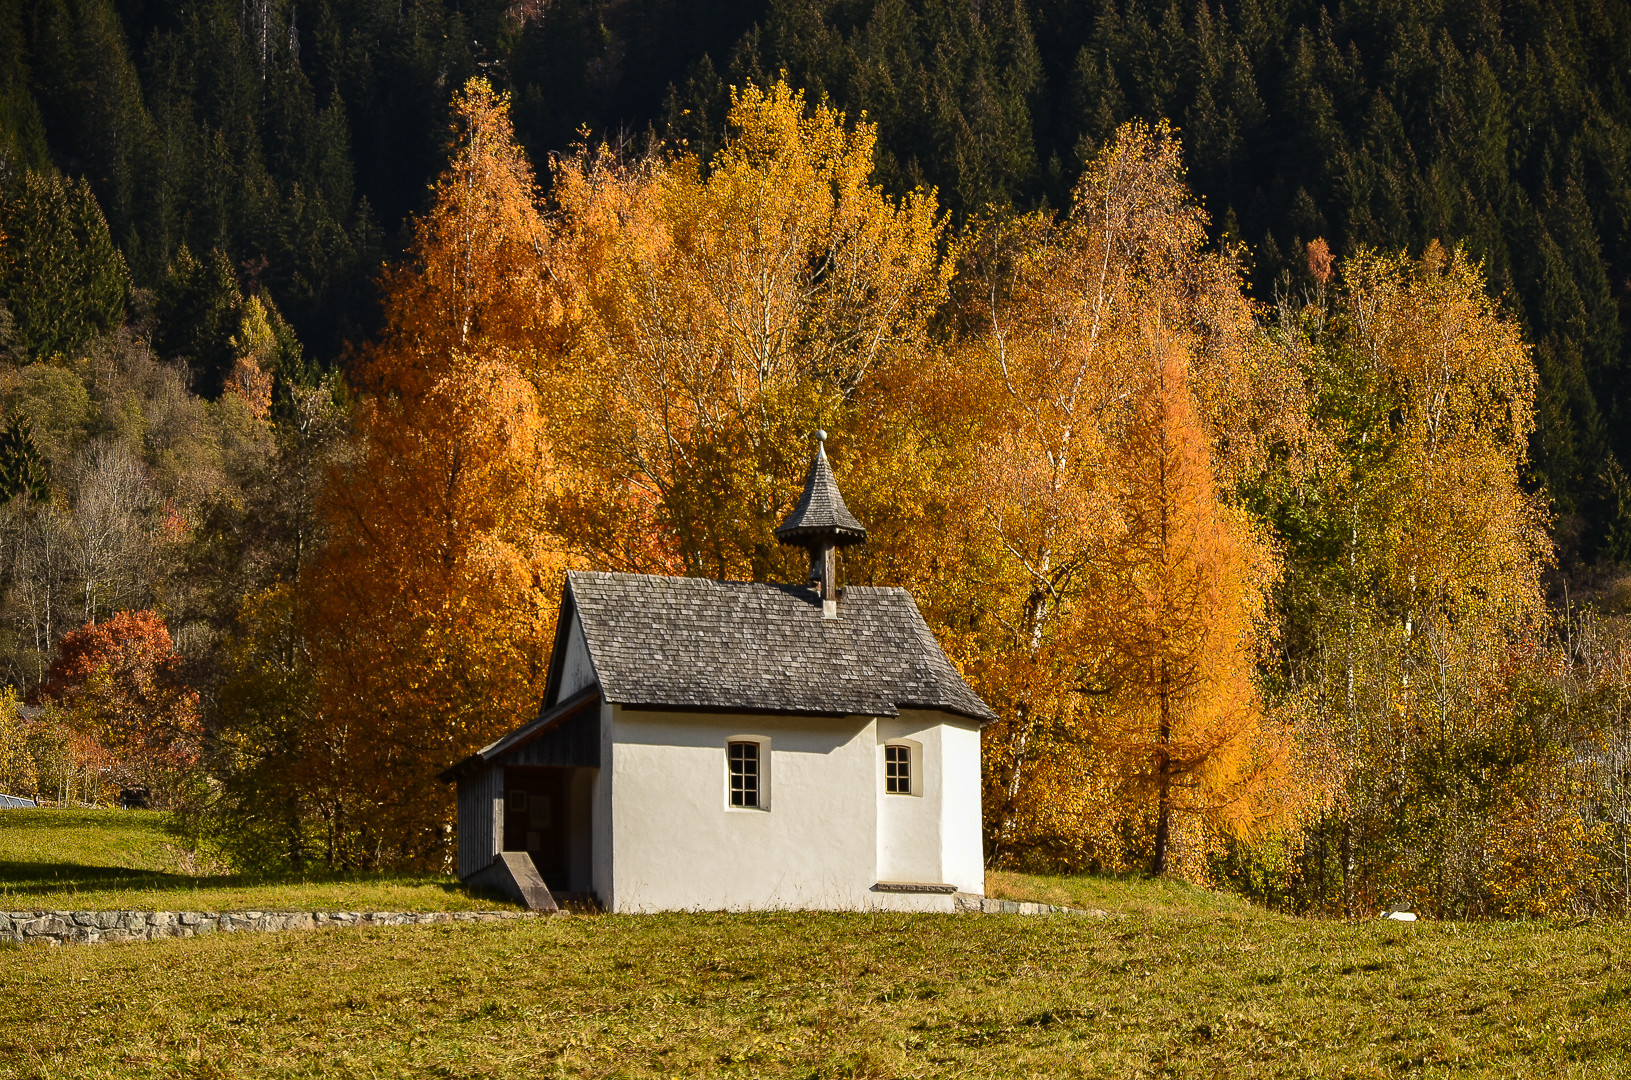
(897, 769)
(745, 773)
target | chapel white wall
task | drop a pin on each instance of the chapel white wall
(909, 825)
(830, 832)
(678, 845)
(962, 844)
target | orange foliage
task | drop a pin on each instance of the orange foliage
(1055, 468)
(431, 607)
(1170, 622)
(476, 270)
(119, 682)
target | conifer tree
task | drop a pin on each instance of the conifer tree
(22, 471)
(60, 275)
(1170, 622)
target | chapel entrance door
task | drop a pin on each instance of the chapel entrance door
(537, 818)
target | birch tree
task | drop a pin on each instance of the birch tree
(1059, 317)
(724, 310)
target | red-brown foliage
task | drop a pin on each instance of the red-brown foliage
(119, 683)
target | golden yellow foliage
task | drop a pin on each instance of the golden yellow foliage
(1054, 435)
(255, 348)
(1421, 557)
(721, 313)
(1070, 323)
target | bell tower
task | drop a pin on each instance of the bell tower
(823, 524)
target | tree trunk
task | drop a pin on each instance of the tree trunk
(1163, 782)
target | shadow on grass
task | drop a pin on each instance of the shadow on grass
(23, 879)
(38, 877)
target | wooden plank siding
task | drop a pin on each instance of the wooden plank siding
(481, 819)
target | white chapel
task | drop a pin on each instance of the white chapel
(726, 745)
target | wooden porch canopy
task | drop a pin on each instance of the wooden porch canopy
(568, 735)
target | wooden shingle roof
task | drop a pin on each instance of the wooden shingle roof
(692, 643)
(821, 513)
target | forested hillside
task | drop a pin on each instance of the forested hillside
(300, 135)
(1226, 382)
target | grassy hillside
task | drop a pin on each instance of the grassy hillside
(1172, 994)
(1183, 982)
(114, 860)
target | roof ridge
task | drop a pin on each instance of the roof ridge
(684, 577)
(699, 643)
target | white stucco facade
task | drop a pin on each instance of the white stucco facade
(622, 786)
(827, 834)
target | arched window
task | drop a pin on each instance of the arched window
(898, 771)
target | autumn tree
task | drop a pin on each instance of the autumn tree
(476, 276)
(428, 613)
(721, 312)
(1597, 665)
(1171, 619)
(19, 775)
(1413, 586)
(245, 564)
(118, 683)
(1059, 317)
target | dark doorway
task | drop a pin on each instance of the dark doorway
(537, 818)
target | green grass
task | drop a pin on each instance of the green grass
(1122, 895)
(127, 859)
(1183, 983)
(820, 995)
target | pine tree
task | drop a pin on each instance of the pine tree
(60, 275)
(197, 314)
(22, 470)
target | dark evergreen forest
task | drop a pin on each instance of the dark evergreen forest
(274, 149)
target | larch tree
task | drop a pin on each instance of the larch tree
(1171, 619)
(430, 607)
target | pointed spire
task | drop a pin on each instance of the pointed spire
(822, 523)
(821, 516)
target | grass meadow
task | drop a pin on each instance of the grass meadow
(103, 860)
(1182, 983)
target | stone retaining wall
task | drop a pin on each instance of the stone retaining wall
(87, 927)
(968, 902)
